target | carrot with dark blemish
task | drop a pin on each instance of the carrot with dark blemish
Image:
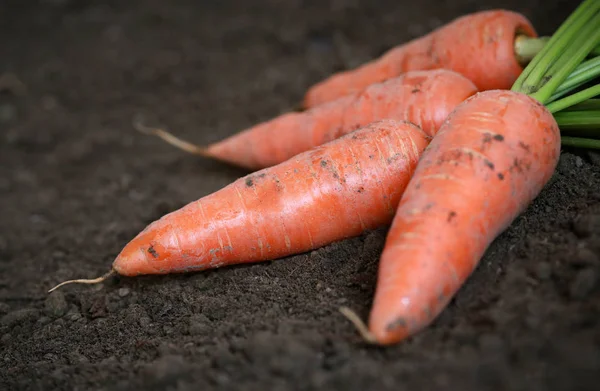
(329, 193)
(489, 47)
(424, 98)
(489, 160)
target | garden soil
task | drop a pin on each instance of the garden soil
(77, 183)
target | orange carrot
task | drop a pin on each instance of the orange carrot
(329, 193)
(424, 98)
(480, 46)
(485, 165)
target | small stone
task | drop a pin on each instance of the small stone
(578, 161)
(123, 292)
(583, 284)
(56, 304)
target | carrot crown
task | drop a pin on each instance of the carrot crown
(572, 42)
(559, 75)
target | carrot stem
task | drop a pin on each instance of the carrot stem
(574, 54)
(580, 142)
(590, 104)
(588, 119)
(535, 79)
(526, 48)
(585, 72)
(574, 99)
(568, 60)
(534, 66)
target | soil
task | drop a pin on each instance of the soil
(77, 182)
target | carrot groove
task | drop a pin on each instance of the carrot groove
(480, 46)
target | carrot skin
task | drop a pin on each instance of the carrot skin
(480, 46)
(329, 193)
(486, 164)
(424, 98)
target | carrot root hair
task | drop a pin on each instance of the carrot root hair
(360, 325)
(85, 281)
(170, 139)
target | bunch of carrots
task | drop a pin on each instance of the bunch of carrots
(446, 139)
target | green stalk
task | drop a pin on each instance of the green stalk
(573, 49)
(558, 69)
(533, 73)
(574, 99)
(568, 120)
(590, 104)
(585, 72)
(570, 59)
(580, 142)
(526, 48)
(591, 133)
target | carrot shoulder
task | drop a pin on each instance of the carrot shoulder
(483, 168)
(326, 194)
(424, 98)
(480, 46)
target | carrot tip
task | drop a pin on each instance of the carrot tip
(362, 328)
(169, 138)
(85, 281)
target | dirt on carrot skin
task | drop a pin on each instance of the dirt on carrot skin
(77, 183)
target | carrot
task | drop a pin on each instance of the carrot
(481, 170)
(489, 160)
(424, 98)
(329, 193)
(483, 46)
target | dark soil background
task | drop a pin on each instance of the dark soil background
(77, 182)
